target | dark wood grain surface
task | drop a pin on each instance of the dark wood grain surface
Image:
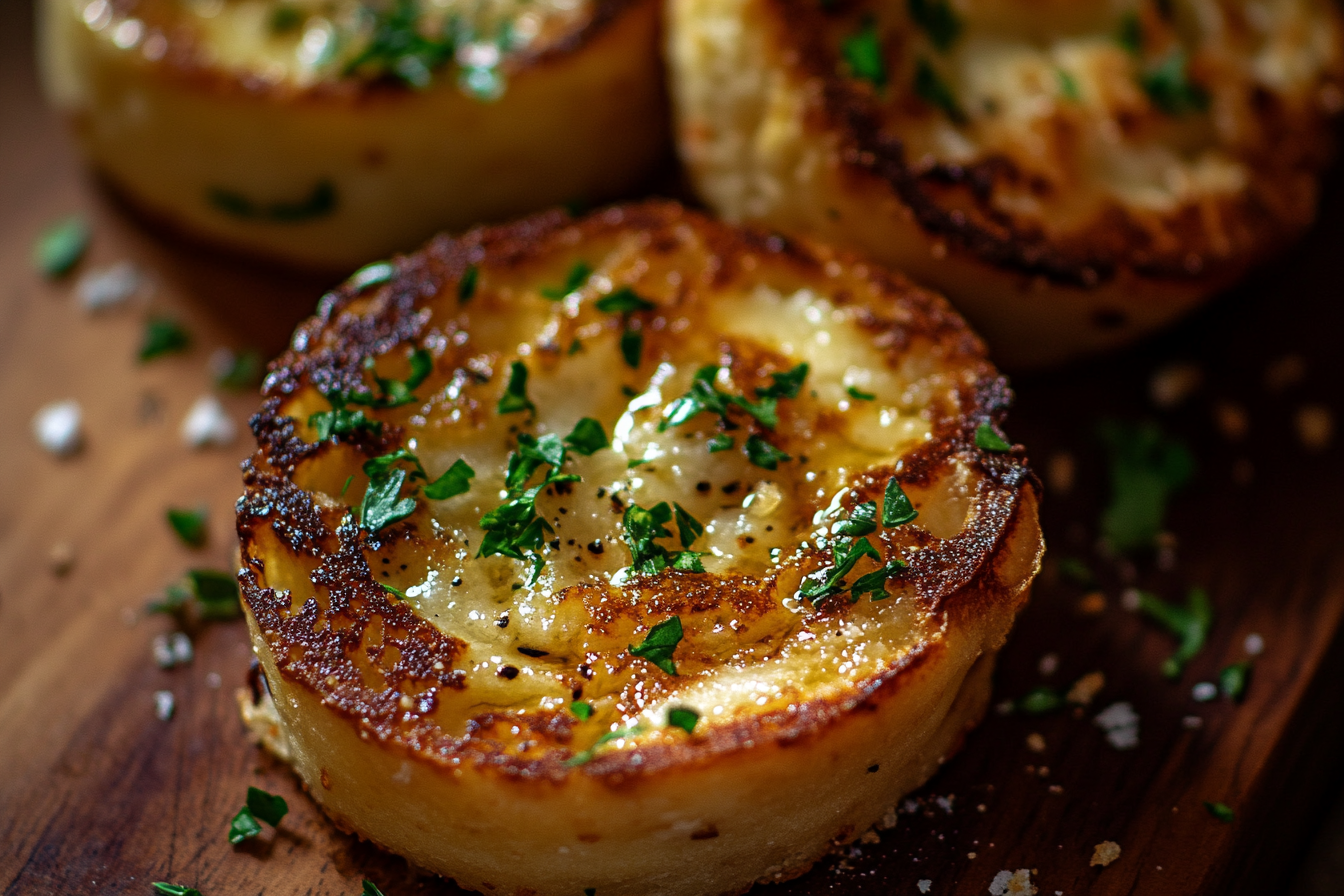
(99, 796)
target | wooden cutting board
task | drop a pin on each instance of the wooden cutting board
(99, 795)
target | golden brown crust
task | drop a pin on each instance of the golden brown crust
(341, 650)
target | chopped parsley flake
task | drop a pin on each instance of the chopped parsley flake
(286, 18)
(720, 442)
(320, 202)
(632, 347)
(763, 454)
(383, 505)
(660, 643)
(1170, 88)
(896, 507)
(189, 525)
(583, 711)
(987, 438)
(644, 526)
(863, 55)
(586, 755)
(1190, 624)
(1040, 700)
(1232, 681)
(683, 718)
(61, 246)
(174, 889)
(588, 437)
(577, 276)
(515, 397)
(213, 594)
(932, 89)
(395, 592)
(1146, 468)
(466, 287)
(623, 301)
(856, 393)
(862, 521)
(456, 480)
(243, 372)
(845, 554)
(269, 807)
(342, 422)
(1068, 86)
(391, 393)
(163, 336)
(874, 584)
(243, 827)
(398, 49)
(1130, 33)
(688, 527)
(1220, 811)
(938, 20)
(371, 889)
(513, 527)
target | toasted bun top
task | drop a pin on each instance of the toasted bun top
(414, 611)
(1068, 139)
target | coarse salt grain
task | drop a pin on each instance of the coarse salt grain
(1121, 724)
(1085, 689)
(945, 802)
(181, 647)
(1254, 645)
(213, 681)
(924, 885)
(207, 424)
(110, 286)
(1130, 599)
(1049, 664)
(1204, 691)
(1012, 883)
(1104, 853)
(1315, 426)
(164, 705)
(59, 427)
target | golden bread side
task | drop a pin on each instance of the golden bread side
(1071, 175)
(725, 630)
(307, 132)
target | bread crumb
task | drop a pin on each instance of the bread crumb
(1035, 743)
(1085, 689)
(1286, 371)
(870, 836)
(1060, 472)
(1121, 724)
(889, 819)
(1173, 384)
(1232, 420)
(1092, 604)
(61, 557)
(1315, 426)
(924, 885)
(207, 424)
(1012, 883)
(1104, 853)
(59, 427)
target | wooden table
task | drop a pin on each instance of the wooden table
(98, 795)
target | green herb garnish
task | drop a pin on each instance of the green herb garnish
(988, 438)
(644, 526)
(383, 505)
(286, 18)
(397, 48)
(243, 372)
(938, 20)
(374, 274)
(163, 336)
(370, 889)
(1232, 681)
(1068, 86)
(582, 711)
(632, 347)
(456, 480)
(577, 276)
(623, 301)
(320, 202)
(1130, 33)
(1170, 88)
(587, 437)
(896, 507)
(395, 592)
(1146, 468)
(213, 594)
(587, 755)
(763, 454)
(466, 287)
(174, 889)
(189, 525)
(683, 718)
(688, 527)
(863, 55)
(1220, 811)
(720, 442)
(862, 521)
(857, 393)
(844, 555)
(514, 527)
(342, 421)
(61, 246)
(660, 643)
(1190, 624)
(932, 89)
(260, 805)
(1040, 700)
(1076, 571)
(515, 397)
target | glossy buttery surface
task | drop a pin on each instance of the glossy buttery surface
(509, 648)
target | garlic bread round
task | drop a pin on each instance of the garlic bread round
(1071, 174)
(325, 133)
(636, 554)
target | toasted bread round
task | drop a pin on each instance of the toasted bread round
(1071, 174)
(326, 134)
(635, 553)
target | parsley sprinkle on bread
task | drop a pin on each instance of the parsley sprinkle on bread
(324, 134)
(1071, 174)
(595, 574)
